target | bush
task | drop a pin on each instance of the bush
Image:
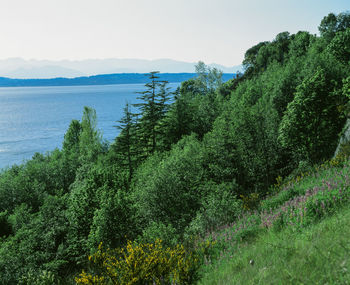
(148, 263)
(167, 187)
(42, 278)
(219, 207)
(158, 230)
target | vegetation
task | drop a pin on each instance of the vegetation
(298, 235)
(316, 255)
(140, 263)
(197, 178)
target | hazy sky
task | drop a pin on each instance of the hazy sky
(190, 30)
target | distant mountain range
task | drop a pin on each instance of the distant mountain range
(44, 69)
(104, 79)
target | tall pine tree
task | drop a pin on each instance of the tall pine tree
(126, 146)
(152, 111)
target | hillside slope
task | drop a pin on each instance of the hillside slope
(300, 236)
(316, 255)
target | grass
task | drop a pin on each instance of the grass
(300, 235)
(319, 254)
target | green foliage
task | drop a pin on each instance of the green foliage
(219, 207)
(318, 254)
(38, 242)
(82, 203)
(44, 278)
(257, 144)
(152, 110)
(71, 149)
(90, 140)
(332, 24)
(346, 87)
(166, 188)
(250, 61)
(208, 79)
(243, 146)
(126, 144)
(312, 120)
(340, 46)
(20, 217)
(188, 168)
(197, 104)
(113, 221)
(259, 57)
(72, 138)
(5, 226)
(219, 152)
(288, 215)
(158, 230)
(284, 81)
(179, 119)
(300, 44)
(30, 182)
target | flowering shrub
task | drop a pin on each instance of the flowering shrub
(148, 263)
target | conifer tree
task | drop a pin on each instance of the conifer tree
(152, 111)
(163, 109)
(125, 145)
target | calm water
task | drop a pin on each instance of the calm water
(35, 119)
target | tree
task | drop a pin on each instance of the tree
(331, 24)
(126, 146)
(38, 243)
(259, 57)
(340, 46)
(113, 222)
(250, 59)
(312, 122)
(166, 186)
(179, 118)
(72, 138)
(71, 149)
(82, 204)
(152, 111)
(197, 104)
(208, 79)
(90, 141)
(300, 44)
(164, 107)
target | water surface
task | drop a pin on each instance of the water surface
(35, 119)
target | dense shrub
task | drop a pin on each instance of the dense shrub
(149, 263)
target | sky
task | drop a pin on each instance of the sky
(214, 31)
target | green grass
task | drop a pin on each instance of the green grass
(300, 235)
(318, 254)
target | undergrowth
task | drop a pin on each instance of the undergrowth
(280, 242)
(283, 238)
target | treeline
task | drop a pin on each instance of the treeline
(102, 79)
(186, 163)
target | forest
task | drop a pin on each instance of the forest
(142, 210)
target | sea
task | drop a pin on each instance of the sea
(35, 119)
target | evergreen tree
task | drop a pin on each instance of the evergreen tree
(125, 145)
(163, 109)
(152, 111)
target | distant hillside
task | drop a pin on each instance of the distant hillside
(105, 79)
(46, 69)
